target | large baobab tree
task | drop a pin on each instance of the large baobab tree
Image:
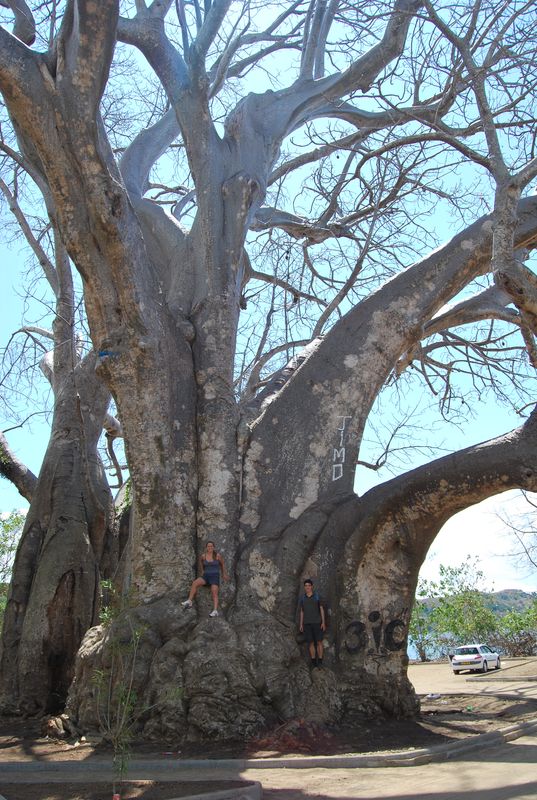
(254, 105)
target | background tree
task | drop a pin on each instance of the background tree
(459, 612)
(516, 632)
(421, 636)
(458, 609)
(10, 529)
(255, 106)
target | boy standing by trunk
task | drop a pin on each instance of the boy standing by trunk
(312, 622)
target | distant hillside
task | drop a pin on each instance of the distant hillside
(499, 602)
(509, 600)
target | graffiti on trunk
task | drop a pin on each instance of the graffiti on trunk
(338, 456)
(377, 635)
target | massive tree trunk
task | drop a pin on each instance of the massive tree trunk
(249, 669)
(271, 482)
(65, 550)
(67, 544)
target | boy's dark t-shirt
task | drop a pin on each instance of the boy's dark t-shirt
(312, 612)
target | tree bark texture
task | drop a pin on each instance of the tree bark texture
(229, 676)
(272, 486)
(65, 550)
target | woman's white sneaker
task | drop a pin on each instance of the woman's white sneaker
(187, 604)
(214, 613)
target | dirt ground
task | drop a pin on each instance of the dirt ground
(443, 718)
(130, 790)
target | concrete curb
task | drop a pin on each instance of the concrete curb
(139, 768)
(503, 696)
(253, 792)
(490, 676)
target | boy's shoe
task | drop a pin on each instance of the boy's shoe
(214, 613)
(187, 604)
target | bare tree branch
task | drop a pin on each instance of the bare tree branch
(15, 471)
(160, 53)
(42, 258)
(211, 25)
(521, 285)
(145, 149)
(440, 488)
(266, 218)
(328, 18)
(38, 331)
(24, 27)
(312, 39)
(361, 74)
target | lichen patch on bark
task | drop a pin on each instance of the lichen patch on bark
(264, 580)
(310, 491)
(351, 361)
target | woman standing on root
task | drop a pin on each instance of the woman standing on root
(210, 566)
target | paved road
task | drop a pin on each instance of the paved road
(440, 679)
(504, 773)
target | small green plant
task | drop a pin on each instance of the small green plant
(117, 699)
(119, 708)
(110, 603)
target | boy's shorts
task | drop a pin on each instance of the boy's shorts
(313, 632)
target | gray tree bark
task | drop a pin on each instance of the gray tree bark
(270, 483)
(67, 545)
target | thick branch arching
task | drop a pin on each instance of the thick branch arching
(423, 499)
(343, 374)
(398, 520)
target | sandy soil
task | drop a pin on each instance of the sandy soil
(131, 790)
